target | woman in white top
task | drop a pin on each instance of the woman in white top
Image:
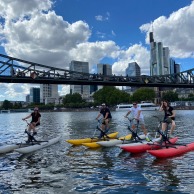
(138, 117)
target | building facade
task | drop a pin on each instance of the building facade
(34, 95)
(133, 69)
(104, 69)
(83, 90)
(48, 91)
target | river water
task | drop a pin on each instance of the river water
(63, 168)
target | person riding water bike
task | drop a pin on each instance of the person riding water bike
(169, 116)
(138, 118)
(105, 112)
(35, 120)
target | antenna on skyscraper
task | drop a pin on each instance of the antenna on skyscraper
(152, 26)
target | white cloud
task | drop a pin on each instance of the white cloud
(175, 31)
(33, 31)
(14, 91)
(103, 18)
(94, 51)
(135, 53)
(45, 38)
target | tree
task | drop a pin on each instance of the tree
(72, 98)
(143, 94)
(170, 96)
(7, 105)
(111, 96)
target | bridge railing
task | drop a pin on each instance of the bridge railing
(13, 68)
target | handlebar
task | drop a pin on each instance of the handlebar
(26, 121)
(130, 120)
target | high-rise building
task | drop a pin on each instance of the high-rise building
(83, 90)
(161, 64)
(48, 91)
(28, 98)
(166, 60)
(34, 95)
(104, 69)
(133, 69)
(159, 58)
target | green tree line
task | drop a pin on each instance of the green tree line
(108, 94)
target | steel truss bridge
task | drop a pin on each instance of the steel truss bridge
(13, 70)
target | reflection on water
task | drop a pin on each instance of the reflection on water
(62, 168)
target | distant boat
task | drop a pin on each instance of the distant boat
(5, 111)
(143, 105)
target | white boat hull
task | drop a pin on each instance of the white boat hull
(114, 142)
(145, 106)
(32, 148)
(139, 143)
(25, 148)
(8, 148)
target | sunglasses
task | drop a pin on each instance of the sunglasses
(134, 104)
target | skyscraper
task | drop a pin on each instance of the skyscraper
(83, 90)
(104, 69)
(161, 63)
(133, 69)
(159, 58)
(34, 95)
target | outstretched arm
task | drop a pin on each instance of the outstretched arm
(127, 114)
(27, 117)
(98, 116)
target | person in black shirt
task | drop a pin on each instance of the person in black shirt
(35, 120)
(105, 112)
(169, 116)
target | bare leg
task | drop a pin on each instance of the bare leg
(144, 129)
(172, 127)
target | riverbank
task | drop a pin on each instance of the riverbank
(111, 109)
(82, 109)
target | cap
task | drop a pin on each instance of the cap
(36, 108)
(103, 104)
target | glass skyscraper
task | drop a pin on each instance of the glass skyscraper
(104, 69)
(159, 58)
(133, 69)
(34, 95)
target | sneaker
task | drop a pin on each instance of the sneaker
(147, 138)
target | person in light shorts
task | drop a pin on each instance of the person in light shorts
(138, 118)
(138, 122)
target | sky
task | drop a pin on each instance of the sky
(114, 32)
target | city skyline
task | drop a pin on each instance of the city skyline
(55, 33)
